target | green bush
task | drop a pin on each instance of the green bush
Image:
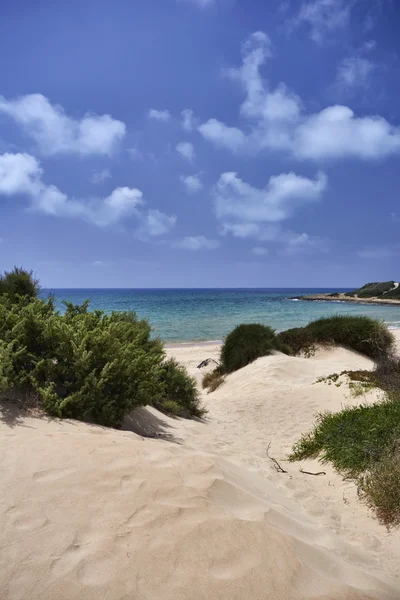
(245, 344)
(87, 365)
(19, 283)
(362, 334)
(299, 341)
(180, 395)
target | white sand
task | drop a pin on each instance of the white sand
(91, 513)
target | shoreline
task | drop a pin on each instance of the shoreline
(342, 298)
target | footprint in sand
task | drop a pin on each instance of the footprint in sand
(51, 474)
(70, 558)
(30, 523)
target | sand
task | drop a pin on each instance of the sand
(197, 513)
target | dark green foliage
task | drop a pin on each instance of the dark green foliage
(87, 365)
(334, 295)
(180, 395)
(19, 283)
(362, 334)
(299, 341)
(213, 380)
(377, 289)
(393, 294)
(245, 344)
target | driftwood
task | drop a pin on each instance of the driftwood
(277, 466)
(309, 472)
(206, 362)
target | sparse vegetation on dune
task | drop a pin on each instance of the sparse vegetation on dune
(363, 442)
(213, 380)
(245, 344)
(85, 365)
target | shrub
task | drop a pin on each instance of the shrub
(213, 380)
(87, 365)
(362, 334)
(245, 344)
(180, 395)
(19, 283)
(380, 488)
(299, 340)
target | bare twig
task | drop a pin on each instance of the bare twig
(277, 466)
(309, 472)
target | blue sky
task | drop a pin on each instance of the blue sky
(200, 143)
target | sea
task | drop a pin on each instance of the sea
(198, 315)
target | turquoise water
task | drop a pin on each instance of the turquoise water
(189, 315)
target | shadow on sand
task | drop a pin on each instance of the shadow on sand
(144, 422)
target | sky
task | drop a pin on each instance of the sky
(200, 143)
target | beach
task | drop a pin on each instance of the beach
(177, 509)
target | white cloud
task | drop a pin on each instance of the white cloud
(56, 133)
(186, 150)
(198, 242)
(260, 251)
(277, 121)
(187, 119)
(354, 73)
(22, 174)
(236, 200)
(19, 174)
(324, 17)
(242, 230)
(159, 115)
(100, 176)
(156, 223)
(302, 243)
(192, 183)
(99, 264)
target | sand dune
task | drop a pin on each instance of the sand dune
(199, 513)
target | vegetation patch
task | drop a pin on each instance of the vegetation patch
(85, 365)
(213, 380)
(245, 344)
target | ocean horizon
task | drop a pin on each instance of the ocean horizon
(209, 314)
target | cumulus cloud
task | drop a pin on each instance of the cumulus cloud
(236, 200)
(159, 115)
(187, 119)
(186, 150)
(21, 174)
(277, 120)
(100, 176)
(57, 133)
(199, 242)
(192, 183)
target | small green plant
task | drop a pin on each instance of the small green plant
(245, 344)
